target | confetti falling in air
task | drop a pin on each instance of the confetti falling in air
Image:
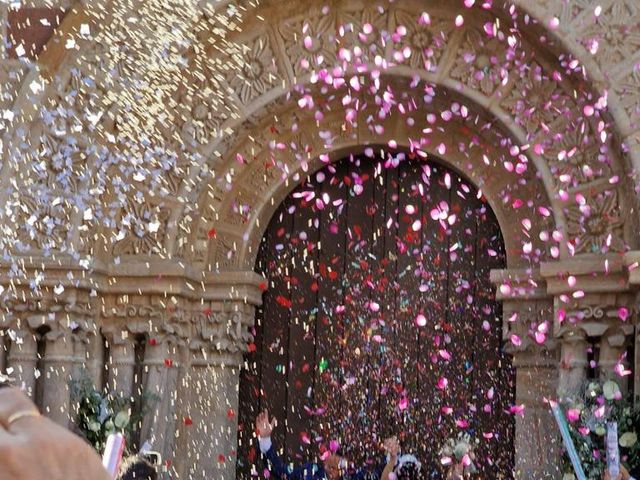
(373, 164)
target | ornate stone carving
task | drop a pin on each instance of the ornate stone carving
(352, 21)
(258, 72)
(427, 40)
(224, 330)
(628, 90)
(481, 62)
(596, 226)
(535, 99)
(44, 223)
(571, 154)
(199, 112)
(321, 53)
(147, 228)
(618, 39)
(225, 251)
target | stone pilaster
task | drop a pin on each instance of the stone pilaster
(163, 366)
(595, 305)
(613, 360)
(537, 443)
(574, 360)
(208, 403)
(23, 358)
(121, 362)
(528, 310)
(58, 363)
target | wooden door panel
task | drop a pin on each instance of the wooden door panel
(340, 354)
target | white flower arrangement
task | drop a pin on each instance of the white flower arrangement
(459, 450)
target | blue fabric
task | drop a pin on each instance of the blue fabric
(309, 471)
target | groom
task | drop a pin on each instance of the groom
(334, 467)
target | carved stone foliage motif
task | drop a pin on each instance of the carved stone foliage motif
(522, 321)
(44, 223)
(536, 99)
(258, 72)
(597, 224)
(482, 63)
(12, 74)
(612, 37)
(195, 247)
(320, 53)
(223, 330)
(628, 91)
(160, 319)
(576, 156)
(201, 107)
(146, 229)
(427, 38)
(225, 251)
(362, 27)
(64, 315)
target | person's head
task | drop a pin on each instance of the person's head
(137, 468)
(408, 468)
(334, 466)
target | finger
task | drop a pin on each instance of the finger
(12, 402)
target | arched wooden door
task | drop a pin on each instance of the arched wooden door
(379, 319)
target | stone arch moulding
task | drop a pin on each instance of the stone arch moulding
(603, 190)
(278, 53)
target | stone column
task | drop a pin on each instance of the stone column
(573, 363)
(613, 346)
(208, 402)
(162, 368)
(537, 442)
(22, 358)
(58, 362)
(94, 361)
(209, 417)
(121, 362)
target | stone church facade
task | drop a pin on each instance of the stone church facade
(183, 279)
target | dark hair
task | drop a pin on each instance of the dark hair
(137, 468)
(409, 471)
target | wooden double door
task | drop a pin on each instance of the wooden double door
(379, 319)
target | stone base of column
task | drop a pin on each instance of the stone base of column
(537, 443)
(206, 440)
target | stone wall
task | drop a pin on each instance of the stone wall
(180, 274)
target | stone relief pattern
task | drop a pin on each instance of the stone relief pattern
(41, 224)
(573, 11)
(220, 329)
(354, 21)
(628, 90)
(241, 207)
(146, 229)
(535, 100)
(428, 42)
(482, 63)
(577, 154)
(616, 32)
(321, 54)
(12, 74)
(258, 72)
(225, 252)
(199, 108)
(597, 225)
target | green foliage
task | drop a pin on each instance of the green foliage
(99, 414)
(588, 414)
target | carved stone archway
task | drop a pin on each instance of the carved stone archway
(227, 154)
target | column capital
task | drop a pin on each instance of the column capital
(223, 328)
